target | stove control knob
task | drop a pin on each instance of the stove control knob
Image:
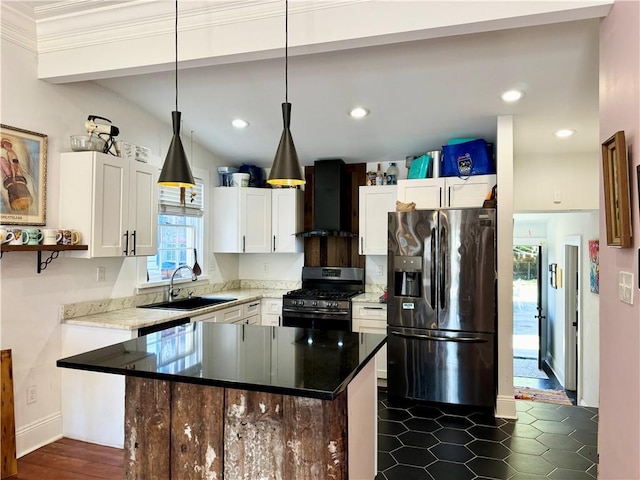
(301, 303)
(315, 303)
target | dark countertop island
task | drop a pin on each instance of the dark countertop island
(227, 401)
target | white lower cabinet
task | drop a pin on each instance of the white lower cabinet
(247, 313)
(271, 309)
(372, 318)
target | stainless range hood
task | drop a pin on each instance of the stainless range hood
(331, 200)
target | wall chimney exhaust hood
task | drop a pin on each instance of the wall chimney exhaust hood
(331, 200)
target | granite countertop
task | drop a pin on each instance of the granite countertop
(136, 318)
(368, 297)
(281, 360)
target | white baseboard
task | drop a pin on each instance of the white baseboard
(38, 434)
(506, 407)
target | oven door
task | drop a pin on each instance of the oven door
(319, 319)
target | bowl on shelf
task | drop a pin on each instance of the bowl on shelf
(87, 143)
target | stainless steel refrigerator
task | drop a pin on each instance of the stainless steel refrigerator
(441, 312)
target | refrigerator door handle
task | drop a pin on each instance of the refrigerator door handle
(441, 339)
(443, 267)
(433, 268)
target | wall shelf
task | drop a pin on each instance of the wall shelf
(54, 249)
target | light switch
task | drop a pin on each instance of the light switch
(625, 287)
(557, 196)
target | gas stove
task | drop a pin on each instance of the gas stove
(324, 301)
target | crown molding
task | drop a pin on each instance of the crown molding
(85, 23)
(17, 25)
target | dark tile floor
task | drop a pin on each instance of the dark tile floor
(547, 441)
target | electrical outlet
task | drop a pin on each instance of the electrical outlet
(379, 270)
(100, 273)
(32, 394)
(266, 268)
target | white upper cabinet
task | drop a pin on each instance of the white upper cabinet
(111, 201)
(446, 191)
(287, 209)
(375, 203)
(241, 220)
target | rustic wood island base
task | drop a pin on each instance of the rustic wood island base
(295, 423)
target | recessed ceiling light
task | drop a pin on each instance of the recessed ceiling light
(564, 133)
(511, 96)
(239, 123)
(359, 112)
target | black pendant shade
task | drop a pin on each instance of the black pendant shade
(286, 168)
(176, 171)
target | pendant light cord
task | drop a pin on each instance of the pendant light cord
(286, 51)
(176, 48)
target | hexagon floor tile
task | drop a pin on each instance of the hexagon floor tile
(447, 443)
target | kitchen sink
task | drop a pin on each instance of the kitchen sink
(192, 303)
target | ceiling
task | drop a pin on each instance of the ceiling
(420, 94)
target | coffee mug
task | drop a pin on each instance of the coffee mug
(70, 237)
(20, 236)
(34, 236)
(6, 235)
(51, 236)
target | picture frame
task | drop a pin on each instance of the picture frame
(617, 198)
(23, 169)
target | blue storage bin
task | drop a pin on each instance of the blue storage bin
(467, 159)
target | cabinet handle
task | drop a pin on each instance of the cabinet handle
(243, 243)
(274, 243)
(372, 308)
(279, 320)
(449, 195)
(440, 197)
(361, 245)
(254, 304)
(126, 243)
(133, 235)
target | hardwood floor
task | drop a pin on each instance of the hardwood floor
(68, 459)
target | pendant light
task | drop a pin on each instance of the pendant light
(176, 171)
(286, 168)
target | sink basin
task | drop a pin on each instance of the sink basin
(192, 303)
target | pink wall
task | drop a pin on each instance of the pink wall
(619, 425)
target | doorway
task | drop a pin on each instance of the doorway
(528, 315)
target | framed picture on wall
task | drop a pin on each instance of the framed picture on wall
(23, 165)
(617, 199)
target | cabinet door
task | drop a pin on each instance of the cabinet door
(110, 205)
(369, 326)
(375, 203)
(469, 192)
(225, 206)
(286, 220)
(425, 193)
(255, 218)
(143, 209)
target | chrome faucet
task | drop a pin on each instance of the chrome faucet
(173, 292)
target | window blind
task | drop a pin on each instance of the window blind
(169, 200)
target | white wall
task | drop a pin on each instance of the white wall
(268, 266)
(561, 226)
(554, 182)
(30, 302)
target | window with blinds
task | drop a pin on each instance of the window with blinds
(180, 232)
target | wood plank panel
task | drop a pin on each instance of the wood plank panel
(253, 436)
(316, 438)
(8, 460)
(196, 433)
(334, 251)
(147, 429)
